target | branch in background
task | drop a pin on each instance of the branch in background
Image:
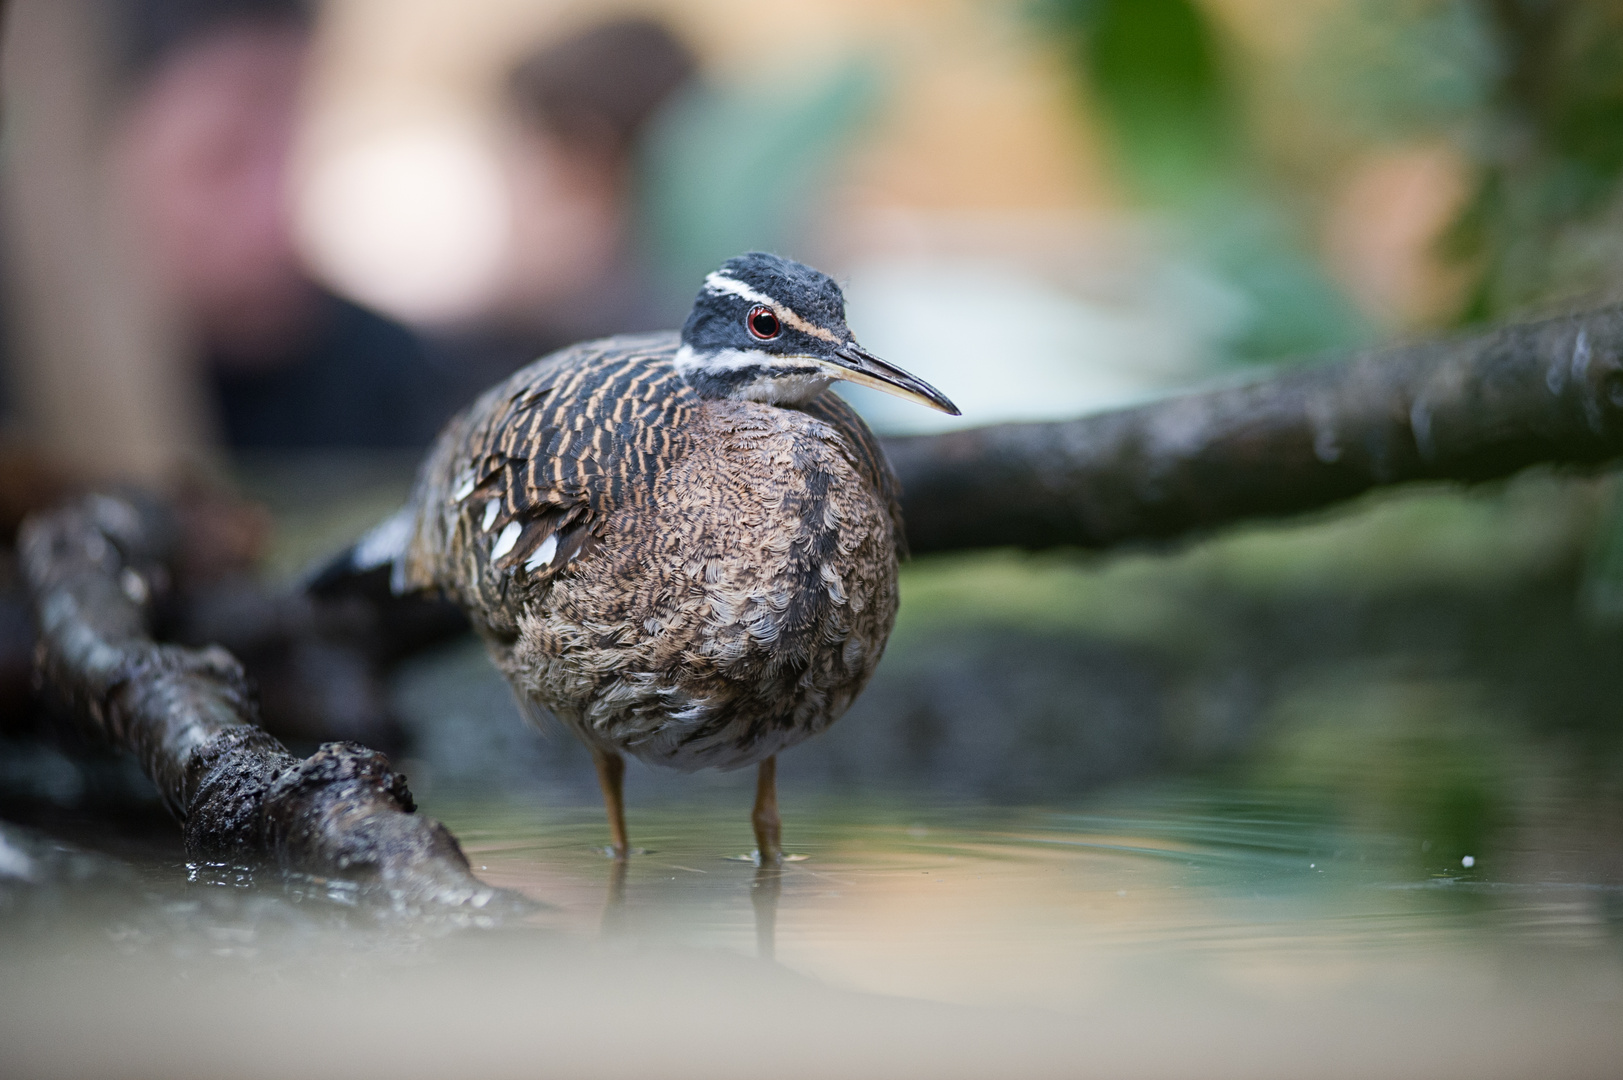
(1469, 410)
(93, 571)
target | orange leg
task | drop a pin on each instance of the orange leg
(611, 774)
(765, 815)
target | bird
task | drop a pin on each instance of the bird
(681, 545)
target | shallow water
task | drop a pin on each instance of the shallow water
(1170, 883)
(1210, 928)
(1202, 815)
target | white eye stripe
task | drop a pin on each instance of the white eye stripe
(718, 282)
(686, 360)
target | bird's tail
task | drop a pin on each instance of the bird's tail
(373, 564)
(372, 570)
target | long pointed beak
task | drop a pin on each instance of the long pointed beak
(858, 365)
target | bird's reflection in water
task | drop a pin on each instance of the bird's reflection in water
(764, 893)
(765, 889)
(614, 903)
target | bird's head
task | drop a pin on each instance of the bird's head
(769, 329)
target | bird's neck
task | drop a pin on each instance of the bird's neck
(746, 375)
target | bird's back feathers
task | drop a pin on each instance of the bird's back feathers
(521, 482)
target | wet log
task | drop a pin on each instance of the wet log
(95, 570)
(1473, 409)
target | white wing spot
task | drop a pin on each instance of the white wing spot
(504, 542)
(491, 508)
(385, 543)
(543, 554)
(464, 488)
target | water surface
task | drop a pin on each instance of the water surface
(1342, 798)
(1176, 883)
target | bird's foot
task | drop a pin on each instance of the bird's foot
(754, 858)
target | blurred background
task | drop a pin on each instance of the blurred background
(272, 246)
(244, 224)
(238, 224)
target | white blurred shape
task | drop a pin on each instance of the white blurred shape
(413, 223)
(15, 863)
(1008, 345)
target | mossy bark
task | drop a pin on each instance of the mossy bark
(95, 569)
(1473, 409)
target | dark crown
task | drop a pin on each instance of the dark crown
(806, 301)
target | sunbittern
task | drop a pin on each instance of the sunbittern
(677, 544)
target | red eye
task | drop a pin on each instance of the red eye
(762, 323)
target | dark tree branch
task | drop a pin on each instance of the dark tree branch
(94, 570)
(1468, 410)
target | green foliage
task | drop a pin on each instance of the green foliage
(1157, 75)
(728, 170)
(1550, 161)
(1532, 92)
(1254, 245)
(1396, 69)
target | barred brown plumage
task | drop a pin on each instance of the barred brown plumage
(679, 546)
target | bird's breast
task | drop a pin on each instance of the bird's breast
(759, 578)
(771, 531)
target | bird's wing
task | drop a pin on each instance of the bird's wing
(521, 482)
(866, 454)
